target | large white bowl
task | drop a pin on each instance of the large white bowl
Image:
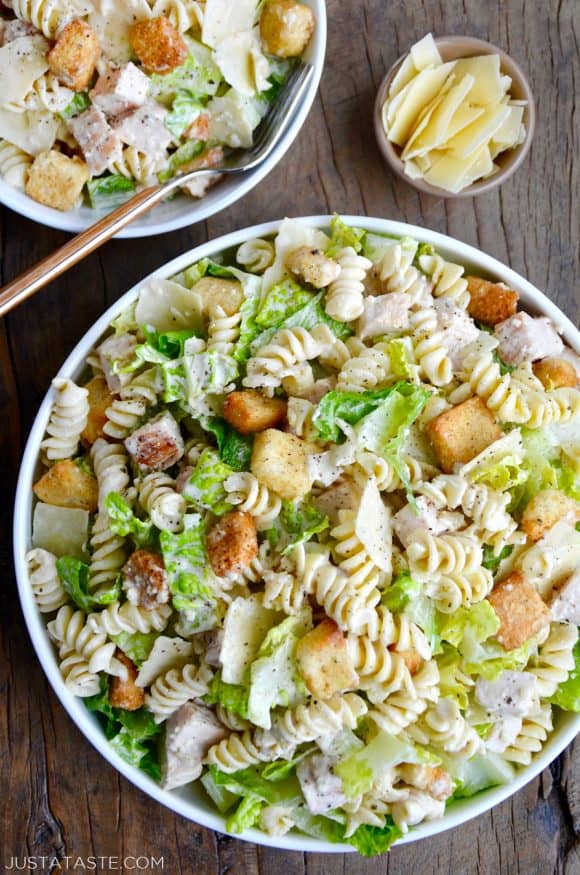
(191, 802)
(184, 210)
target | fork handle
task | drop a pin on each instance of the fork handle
(28, 283)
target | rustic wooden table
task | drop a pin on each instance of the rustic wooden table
(59, 797)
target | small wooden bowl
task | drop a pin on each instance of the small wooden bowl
(452, 48)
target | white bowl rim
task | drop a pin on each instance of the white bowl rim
(218, 199)
(463, 810)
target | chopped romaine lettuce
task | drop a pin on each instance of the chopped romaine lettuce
(301, 521)
(375, 246)
(479, 621)
(245, 815)
(233, 697)
(108, 192)
(249, 782)
(136, 645)
(171, 344)
(235, 449)
(74, 575)
(182, 156)
(189, 579)
(405, 595)
(283, 300)
(343, 235)
(318, 826)
(308, 317)
(450, 684)
(205, 487)
(372, 840)
(479, 773)
(567, 696)
(359, 771)
(207, 373)
(220, 796)
(401, 356)
(199, 76)
(184, 110)
(78, 104)
(124, 522)
(490, 560)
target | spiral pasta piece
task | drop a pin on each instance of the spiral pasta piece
(430, 350)
(49, 16)
(108, 554)
(68, 419)
(176, 687)
(127, 617)
(239, 751)
(344, 298)
(443, 554)
(507, 399)
(15, 164)
(450, 592)
(143, 167)
(555, 659)
(110, 463)
(370, 369)
(47, 94)
(396, 273)
(47, 588)
(183, 14)
(369, 464)
(447, 278)
(165, 506)
(381, 671)
(535, 729)
(443, 725)
(70, 631)
(419, 805)
(354, 559)
(283, 592)
(256, 255)
(289, 347)
(299, 414)
(125, 414)
(78, 678)
(231, 720)
(223, 331)
(249, 495)
(557, 405)
(401, 708)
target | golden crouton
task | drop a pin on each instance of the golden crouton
(55, 180)
(74, 56)
(125, 693)
(100, 398)
(312, 266)
(544, 511)
(521, 611)
(216, 291)
(250, 411)
(489, 302)
(324, 662)
(412, 660)
(460, 434)
(145, 580)
(555, 373)
(66, 484)
(280, 462)
(232, 543)
(158, 44)
(286, 27)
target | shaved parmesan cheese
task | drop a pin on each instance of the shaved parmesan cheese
(34, 132)
(417, 94)
(223, 19)
(422, 55)
(509, 132)
(475, 135)
(22, 62)
(552, 559)
(464, 115)
(245, 625)
(232, 119)
(485, 69)
(113, 21)
(242, 63)
(435, 132)
(166, 653)
(373, 527)
(449, 171)
(60, 530)
(167, 306)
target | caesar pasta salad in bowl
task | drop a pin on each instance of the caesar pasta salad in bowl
(297, 533)
(102, 99)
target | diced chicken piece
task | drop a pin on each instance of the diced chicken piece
(117, 348)
(210, 645)
(74, 56)
(183, 478)
(512, 694)
(157, 445)
(249, 411)
(120, 89)
(460, 434)
(15, 29)
(286, 27)
(342, 495)
(312, 266)
(489, 302)
(525, 338)
(158, 44)
(66, 484)
(544, 510)
(56, 180)
(100, 398)
(190, 732)
(458, 329)
(144, 129)
(324, 662)
(320, 389)
(565, 604)
(213, 157)
(556, 373)
(280, 462)
(321, 787)
(384, 313)
(407, 521)
(503, 734)
(125, 693)
(520, 609)
(232, 543)
(99, 143)
(145, 580)
(435, 780)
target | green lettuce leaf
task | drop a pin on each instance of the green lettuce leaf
(234, 697)
(401, 355)
(78, 104)
(479, 622)
(318, 826)
(274, 678)
(479, 773)
(206, 373)
(361, 769)
(205, 487)
(199, 76)
(308, 317)
(375, 246)
(342, 235)
(450, 684)
(245, 815)
(250, 782)
(124, 522)
(235, 449)
(74, 575)
(184, 110)
(183, 155)
(373, 840)
(490, 560)
(567, 696)
(283, 300)
(185, 561)
(301, 521)
(137, 645)
(220, 796)
(171, 344)
(405, 595)
(108, 192)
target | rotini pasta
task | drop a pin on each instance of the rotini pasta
(14, 164)
(447, 278)
(110, 462)
(176, 687)
(108, 554)
(247, 493)
(68, 419)
(47, 587)
(430, 350)
(165, 506)
(344, 298)
(288, 348)
(127, 617)
(49, 16)
(70, 631)
(256, 255)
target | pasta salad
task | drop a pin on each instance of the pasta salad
(100, 98)
(308, 533)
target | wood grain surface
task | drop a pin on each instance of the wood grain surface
(58, 796)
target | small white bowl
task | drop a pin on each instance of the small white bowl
(191, 802)
(184, 210)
